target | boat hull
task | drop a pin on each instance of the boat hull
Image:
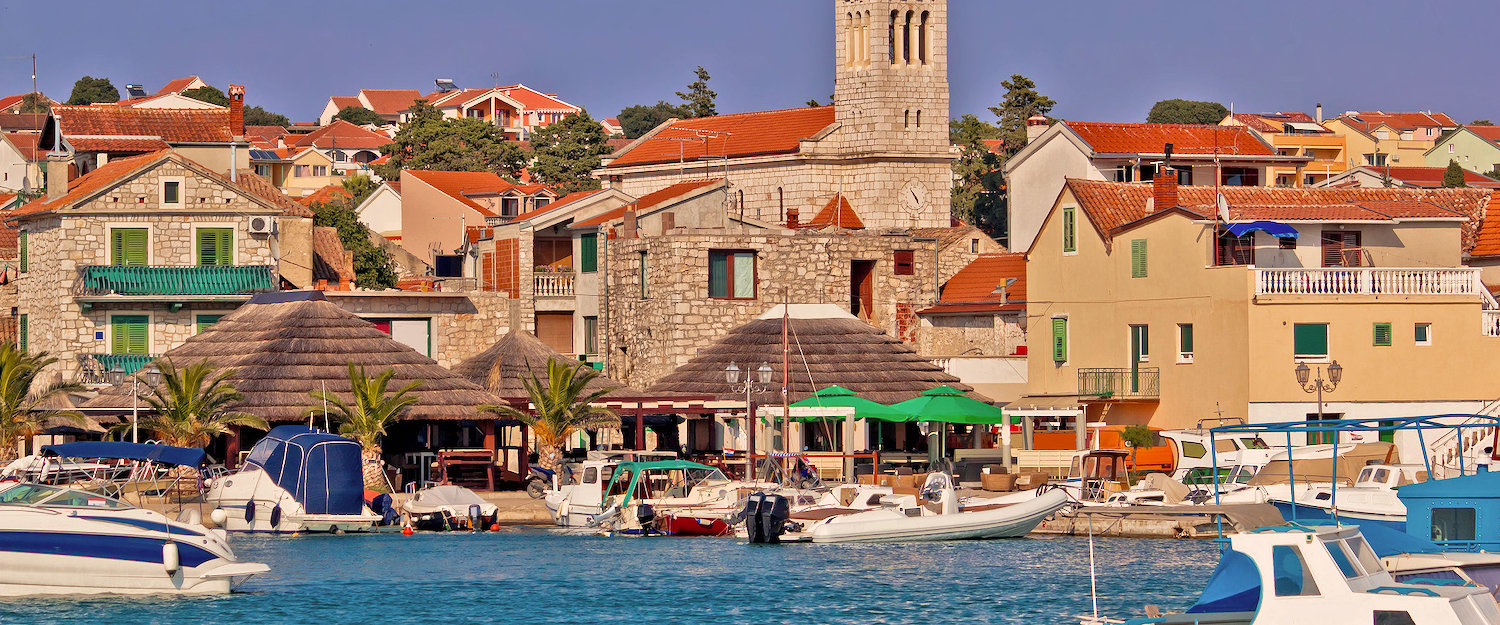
(890, 525)
(1313, 514)
(681, 525)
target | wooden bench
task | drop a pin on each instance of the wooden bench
(464, 459)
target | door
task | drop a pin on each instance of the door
(862, 288)
(1341, 249)
(1140, 351)
(556, 330)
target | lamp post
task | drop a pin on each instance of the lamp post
(1317, 384)
(116, 376)
(759, 382)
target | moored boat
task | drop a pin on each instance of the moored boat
(296, 479)
(448, 507)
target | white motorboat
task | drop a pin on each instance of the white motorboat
(296, 479)
(1372, 498)
(56, 540)
(448, 507)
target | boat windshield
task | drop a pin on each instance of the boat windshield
(51, 496)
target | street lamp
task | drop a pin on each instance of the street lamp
(1317, 384)
(757, 381)
(116, 376)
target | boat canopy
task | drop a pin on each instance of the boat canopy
(1234, 586)
(117, 450)
(322, 471)
(1273, 228)
(635, 469)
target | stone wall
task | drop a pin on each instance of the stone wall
(977, 334)
(462, 325)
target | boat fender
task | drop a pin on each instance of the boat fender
(276, 516)
(250, 511)
(170, 558)
(190, 516)
(219, 517)
(752, 516)
(406, 530)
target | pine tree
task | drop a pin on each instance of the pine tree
(699, 99)
(1454, 175)
(567, 152)
(1021, 101)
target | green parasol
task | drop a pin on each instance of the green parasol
(950, 405)
(840, 397)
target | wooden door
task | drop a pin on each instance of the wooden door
(862, 288)
(556, 330)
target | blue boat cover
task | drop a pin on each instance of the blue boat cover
(1234, 586)
(164, 454)
(1387, 541)
(320, 470)
(1273, 228)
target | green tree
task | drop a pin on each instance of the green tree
(977, 177)
(35, 102)
(257, 116)
(1178, 111)
(640, 119)
(1481, 122)
(193, 404)
(1454, 175)
(698, 98)
(358, 115)
(567, 152)
(1021, 102)
(373, 267)
(1135, 437)
(430, 141)
(209, 94)
(359, 187)
(562, 406)
(90, 90)
(22, 397)
(367, 415)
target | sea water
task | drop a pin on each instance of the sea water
(540, 576)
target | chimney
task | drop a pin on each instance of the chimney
(1318, 113)
(237, 110)
(791, 217)
(1035, 126)
(668, 222)
(628, 229)
(57, 175)
(1164, 188)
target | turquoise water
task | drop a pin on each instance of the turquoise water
(535, 576)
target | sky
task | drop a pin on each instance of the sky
(1101, 61)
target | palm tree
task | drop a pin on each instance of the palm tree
(21, 411)
(561, 408)
(189, 407)
(365, 419)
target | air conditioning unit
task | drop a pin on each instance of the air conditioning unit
(262, 225)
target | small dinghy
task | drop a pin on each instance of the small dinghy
(449, 507)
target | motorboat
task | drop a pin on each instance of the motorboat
(1311, 466)
(1372, 499)
(447, 507)
(647, 497)
(1327, 575)
(296, 479)
(1190, 449)
(57, 540)
(934, 514)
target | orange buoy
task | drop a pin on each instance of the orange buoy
(406, 531)
(494, 527)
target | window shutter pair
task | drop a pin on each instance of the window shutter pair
(1070, 229)
(1059, 340)
(24, 254)
(1310, 340)
(204, 321)
(127, 247)
(130, 334)
(1138, 258)
(215, 246)
(590, 245)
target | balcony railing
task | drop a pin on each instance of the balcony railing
(553, 284)
(1367, 281)
(92, 368)
(1119, 384)
(95, 280)
(1491, 322)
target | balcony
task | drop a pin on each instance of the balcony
(92, 368)
(1143, 383)
(173, 282)
(1367, 281)
(1490, 319)
(553, 284)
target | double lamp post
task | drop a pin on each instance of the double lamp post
(757, 381)
(152, 376)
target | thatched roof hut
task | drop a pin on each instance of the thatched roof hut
(518, 356)
(828, 346)
(284, 345)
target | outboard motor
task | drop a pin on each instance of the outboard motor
(645, 515)
(476, 517)
(774, 511)
(752, 516)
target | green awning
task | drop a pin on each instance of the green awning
(950, 405)
(840, 397)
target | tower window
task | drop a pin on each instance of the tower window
(922, 39)
(906, 40)
(919, 119)
(891, 40)
(906, 121)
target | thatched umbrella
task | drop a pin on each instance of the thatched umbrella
(519, 356)
(828, 346)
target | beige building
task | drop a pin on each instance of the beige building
(1143, 308)
(1296, 134)
(439, 207)
(1397, 139)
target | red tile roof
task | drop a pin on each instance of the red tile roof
(269, 132)
(327, 194)
(25, 143)
(748, 134)
(474, 234)
(95, 180)
(979, 281)
(11, 100)
(651, 200)
(1273, 122)
(1487, 240)
(1432, 177)
(257, 185)
(343, 135)
(1488, 133)
(390, 101)
(1120, 138)
(331, 261)
(395, 185)
(1365, 121)
(177, 86)
(558, 203)
(536, 100)
(837, 212)
(117, 144)
(341, 102)
(21, 121)
(171, 125)
(455, 184)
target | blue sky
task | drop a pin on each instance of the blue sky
(1100, 61)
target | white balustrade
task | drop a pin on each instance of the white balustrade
(1491, 321)
(1367, 281)
(553, 284)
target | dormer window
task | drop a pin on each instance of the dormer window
(171, 191)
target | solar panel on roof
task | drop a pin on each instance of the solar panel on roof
(263, 155)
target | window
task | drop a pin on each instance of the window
(922, 40)
(1140, 343)
(1341, 249)
(204, 321)
(448, 266)
(1286, 243)
(1364, 554)
(127, 247)
(299, 171)
(905, 262)
(731, 274)
(510, 207)
(130, 334)
(1377, 159)
(338, 157)
(1382, 134)
(1382, 335)
(1336, 550)
(1185, 342)
(1310, 340)
(320, 170)
(590, 335)
(263, 170)
(590, 252)
(21, 243)
(540, 202)
(1290, 573)
(1191, 449)
(215, 247)
(1393, 617)
(23, 331)
(1138, 258)
(1422, 332)
(1070, 229)
(645, 292)
(1450, 148)
(1234, 250)
(1240, 177)
(171, 192)
(973, 246)
(1452, 524)
(1059, 339)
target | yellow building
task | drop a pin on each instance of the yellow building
(1296, 134)
(1139, 313)
(1397, 139)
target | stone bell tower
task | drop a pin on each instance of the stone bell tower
(891, 101)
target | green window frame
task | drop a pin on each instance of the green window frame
(215, 247)
(1138, 258)
(23, 332)
(1382, 335)
(128, 247)
(1310, 340)
(130, 334)
(1140, 341)
(732, 274)
(204, 321)
(1070, 229)
(1184, 342)
(171, 192)
(1059, 339)
(590, 252)
(21, 243)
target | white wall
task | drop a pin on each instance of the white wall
(381, 212)
(1035, 183)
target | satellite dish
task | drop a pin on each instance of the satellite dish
(1223, 208)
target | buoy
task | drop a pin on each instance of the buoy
(494, 527)
(406, 530)
(170, 559)
(219, 517)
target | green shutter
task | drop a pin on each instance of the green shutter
(1186, 337)
(1310, 340)
(130, 334)
(215, 247)
(1382, 335)
(127, 247)
(1138, 258)
(1070, 229)
(590, 244)
(718, 274)
(204, 321)
(22, 330)
(1059, 339)
(23, 250)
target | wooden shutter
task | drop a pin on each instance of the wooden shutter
(590, 245)
(1382, 335)
(1341, 249)
(1059, 340)
(215, 246)
(906, 261)
(130, 334)
(1070, 230)
(556, 330)
(1138, 258)
(127, 247)
(23, 330)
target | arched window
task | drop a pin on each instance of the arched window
(891, 40)
(906, 120)
(864, 38)
(919, 119)
(851, 40)
(780, 206)
(922, 39)
(740, 199)
(906, 40)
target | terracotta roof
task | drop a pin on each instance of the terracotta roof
(171, 125)
(1488, 133)
(331, 261)
(1431, 177)
(1121, 138)
(1365, 121)
(978, 282)
(996, 146)
(21, 121)
(25, 143)
(341, 102)
(455, 184)
(946, 236)
(1487, 241)
(395, 185)
(254, 183)
(269, 132)
(474, 234)
(117, 144)
(1274, 122)
(177, 86)
(390, 101)
(325, 195)
(558, 203)
(749, 134)
(650, 201)
(11, 100)
(100, 178)
(837, 212)
(343, 135)
(536, 100)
